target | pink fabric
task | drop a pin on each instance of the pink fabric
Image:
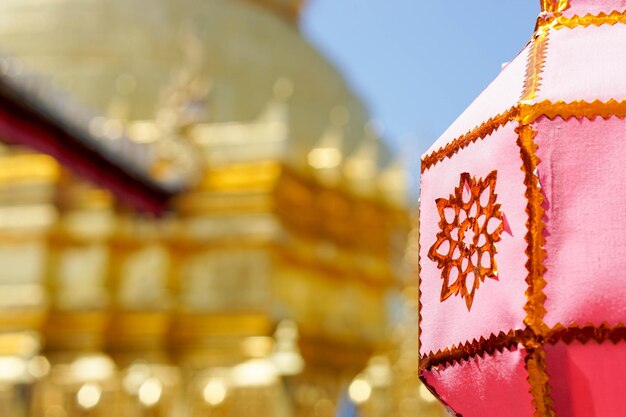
(594, 7)
(498, 304)
(583, 176)
(495, 386)
(585, 63)
(587, 380)
(502, 94)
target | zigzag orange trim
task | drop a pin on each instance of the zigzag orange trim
(586, 333)
(534, 66)
(534, 236)
(527, 114)
(527, 338)
(535, 363)
(534, 307)
(419, 305)
(554, 6)
(562, 22)
(479, 132)
(580, 108)
(538, 379)
(474, 348)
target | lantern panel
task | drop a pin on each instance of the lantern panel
(499, 380)
(585, 63)
(587, 379)
(497, 304)
(594, 7)
(585, 240)
(501, 95)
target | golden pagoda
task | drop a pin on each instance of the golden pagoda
(269, 286)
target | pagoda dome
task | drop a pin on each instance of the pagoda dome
(122, 57)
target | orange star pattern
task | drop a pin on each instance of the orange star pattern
(471, 222)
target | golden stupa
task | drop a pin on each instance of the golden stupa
(272, 287)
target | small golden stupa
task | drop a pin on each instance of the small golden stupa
(272, 285)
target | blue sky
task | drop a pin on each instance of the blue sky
(419, 63)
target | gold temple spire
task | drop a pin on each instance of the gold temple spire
(327, 156)
(276, 111)
(393, 182)
(361, 167)
(263, 138)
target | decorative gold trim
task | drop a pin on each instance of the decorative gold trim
(584, 334)
(535, 64)
(526, 114)
(419, 308)
(527, 338)
(580, 108)
(534, 305)
(474, 348)
(538, 380)
(561, 22)
(554, 6)
(535, 363)
(534, 308)
(480, 132)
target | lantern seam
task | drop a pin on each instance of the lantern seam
(539, 381)
(479, 132)
(535, 65)
(535, 251)
(534, 307)
(527, 113)
(535, 364)
(579, 108)
(530, 161)
(559, 22)
(586, 333)
(419, 305)
(531, 87)
(468, 350)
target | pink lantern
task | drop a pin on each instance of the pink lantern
(523, 230)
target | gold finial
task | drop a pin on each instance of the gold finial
(276, 110)
(327, 155)
(361, 167)
(554, 6)
(393, 182)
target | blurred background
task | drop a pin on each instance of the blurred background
(418, 63)
(208, 207)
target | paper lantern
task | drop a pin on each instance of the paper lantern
(523, 230)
